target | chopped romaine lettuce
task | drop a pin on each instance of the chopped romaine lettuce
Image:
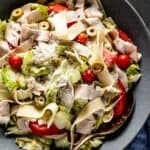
(22, 81)
(14, 130)
(4, 93)
(62, 142)
(95, 142)
(99, 121)
(3, 25)
(79, 105)
(61, 48)
(9, 79)
(27, 62)
(28, 68)
(109, 23)
(26, 143)
(12, 80)
(108, 96)
(62, 120)
(92, 143)
(83, 65)
(133, 73)
(133, 70)
(43, 10)
(39, 71)
(63, 74)
(51, 94)
(75, 76)
(23, 94)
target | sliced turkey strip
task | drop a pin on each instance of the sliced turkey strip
(93, 12)
(12, 34)
(4, 112)
(86, 126)
(87, 92)
(4, 48)
(23, 124)
(38, 35)
(66, 93)
(82, 49)
(80, 4)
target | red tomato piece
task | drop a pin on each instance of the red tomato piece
(70, 24)
(56, 8)
(88, 76)
(15, 61)
(121, 105)
(82, 38)
(109, 58)
(124, 36)
(123, 61)
(43, 130)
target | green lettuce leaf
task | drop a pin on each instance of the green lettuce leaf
(3, 25)
(78, 106)
(133, 70)
(64, 73)
(9, 79)
(32, 143)
(133, 74)
(27, 62)
(109, 23)
(61, 48)
(41, 71)
(62, 143)
(63, 120)
(44, 11)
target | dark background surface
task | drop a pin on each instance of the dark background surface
(143, 7)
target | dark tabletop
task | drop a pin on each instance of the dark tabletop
(143, 7)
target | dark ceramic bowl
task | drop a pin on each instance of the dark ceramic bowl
(129, 20)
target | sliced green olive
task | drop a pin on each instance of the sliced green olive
(91, 31)
(17, 13)
(97, 66)
(39, 102)
(44, 25)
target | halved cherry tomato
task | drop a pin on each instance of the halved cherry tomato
(15, 61)
(124, 36)
(123, 61)
(82, 38)
(43, 130)
(56, 8)
(121, 105)
(88, 76)
(70, 24)
(109, 58)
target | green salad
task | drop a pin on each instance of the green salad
(65, 71)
